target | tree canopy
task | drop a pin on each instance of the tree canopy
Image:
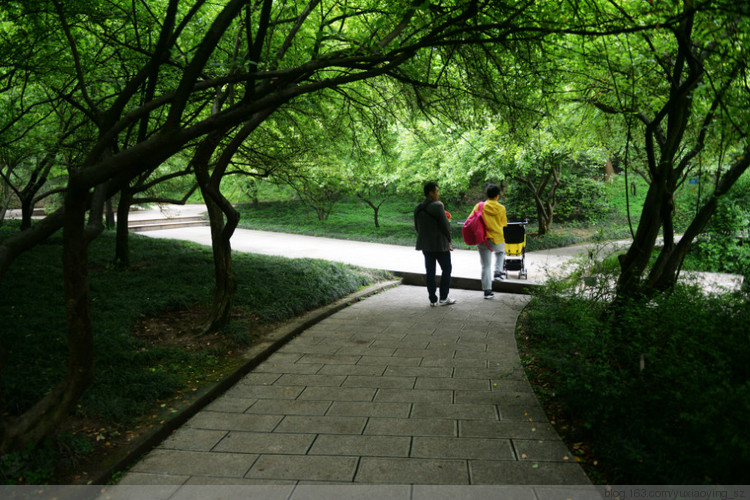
(105, 95)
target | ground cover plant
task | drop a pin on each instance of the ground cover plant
(654, 393)
(148, 356)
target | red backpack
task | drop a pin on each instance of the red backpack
(474, 230)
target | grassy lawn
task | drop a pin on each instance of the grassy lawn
(354, 220)
(149, 357)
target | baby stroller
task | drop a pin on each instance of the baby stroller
(515, 248)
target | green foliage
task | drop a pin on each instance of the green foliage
(579, 199)
(351, 220)
(619, 195)
(657, 388)
(458, 158)
(36, 464)
(724, 245)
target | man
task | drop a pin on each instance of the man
(434, 239)
(495, 220)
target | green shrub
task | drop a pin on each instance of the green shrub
(658, 389)
(724, 245)
(36, 464)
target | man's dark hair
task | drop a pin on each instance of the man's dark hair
(430, 187)
(492, 190)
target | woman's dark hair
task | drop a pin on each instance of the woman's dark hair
(492, 190)
(430, 187)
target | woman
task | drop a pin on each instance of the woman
(495, 220)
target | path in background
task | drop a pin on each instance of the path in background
(397, 258)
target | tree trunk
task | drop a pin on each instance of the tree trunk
(47, 414)
(27, 210)
(122, 236)
(110, 214)
(665, 272)
(226, 286)
(4, 204)
(634, 262)
(14, 246)
(221, 232)
(544, 212)
(543, 221)
(375, 208)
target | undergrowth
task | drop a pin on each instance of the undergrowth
(657, 390)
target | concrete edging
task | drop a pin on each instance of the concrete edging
(504, 286)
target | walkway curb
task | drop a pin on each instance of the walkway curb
(504, 286)
(256, 355)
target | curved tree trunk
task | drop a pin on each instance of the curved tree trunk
(226, 286)
(221, 232)
(544, 215)
(375, 208)
(47, 414)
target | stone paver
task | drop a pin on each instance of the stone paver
(387, 391)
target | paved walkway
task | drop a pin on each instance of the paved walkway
(386, 391)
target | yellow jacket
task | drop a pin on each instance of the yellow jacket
(495, 218)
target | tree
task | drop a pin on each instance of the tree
(558, 170)
(681, 88)
(286, 50)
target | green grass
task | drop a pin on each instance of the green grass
(353, 219)
(131, 374)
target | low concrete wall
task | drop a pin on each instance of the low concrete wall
(504, 286)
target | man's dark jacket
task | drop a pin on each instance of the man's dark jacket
(433, 227)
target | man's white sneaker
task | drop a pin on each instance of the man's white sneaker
(447, 301)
